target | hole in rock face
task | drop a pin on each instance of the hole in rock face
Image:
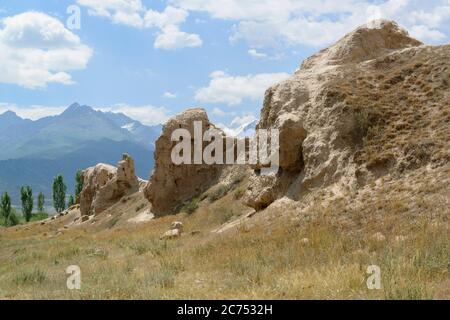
(280, 173)
(291, 149)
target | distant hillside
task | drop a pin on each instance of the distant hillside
(39, 173)
(53, 137)
(33, 152)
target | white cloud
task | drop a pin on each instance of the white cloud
(310, 24)
(319, 23)
(257, 55)
(134, 14)
(264, 56)
(170, 16)
(232, 90)
(219, 112)
(273, 22)
(149, 115)
(240, 10)
(32, 112)
(132, 20)
(169, 95)
(426, 34)
(435, 18)
(172, 38)
(36, 49)
(127, 12)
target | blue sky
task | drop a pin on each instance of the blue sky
(152, 59)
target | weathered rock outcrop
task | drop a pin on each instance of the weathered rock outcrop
(340, 114)
(349, 115)
(104, 185)
(171, 185)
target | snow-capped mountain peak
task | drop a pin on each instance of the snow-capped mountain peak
(240, 128)
(131, 127)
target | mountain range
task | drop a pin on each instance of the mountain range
(33, 152)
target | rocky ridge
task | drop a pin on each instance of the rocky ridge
(337, 113)
(374, 104)
(104, 185)
(171, 185)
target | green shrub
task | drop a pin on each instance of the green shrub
(218, 193)
(222, 190)
(224, 214)
(164, 275)
(191, 206)
(140, 247)
(12, 221)
(35, 276)
(361, 122)
(239, 193)
(39, 216)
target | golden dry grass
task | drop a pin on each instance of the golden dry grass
(401, 110)
(264, 259)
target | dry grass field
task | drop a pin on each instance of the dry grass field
(399, 225)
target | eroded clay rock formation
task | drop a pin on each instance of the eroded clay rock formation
(104, 185)
(340, 114)
(171, 185)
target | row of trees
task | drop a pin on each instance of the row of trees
(26, 195)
